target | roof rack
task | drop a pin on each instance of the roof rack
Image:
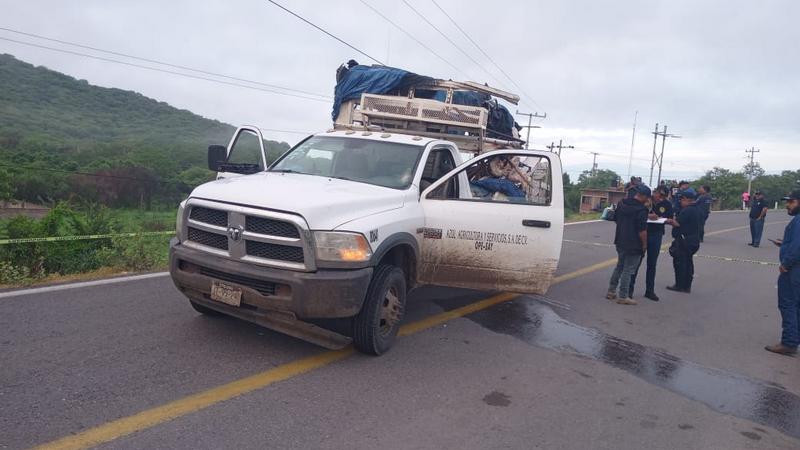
(465, 125)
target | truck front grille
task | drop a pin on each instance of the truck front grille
(264, 287)
(209, 216)
(241, 233)
(271, 227)
(206, 238)
(274, 251)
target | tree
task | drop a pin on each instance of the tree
(726, 186)
(603, 178)
(753, 169)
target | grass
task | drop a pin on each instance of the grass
(103, 272)
(133, 220)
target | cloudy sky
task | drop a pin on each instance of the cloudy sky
(721, 74)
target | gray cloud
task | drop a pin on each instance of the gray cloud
(720, 73)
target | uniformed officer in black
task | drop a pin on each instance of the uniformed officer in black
(676, 196)
(758, 211)
(660, 207)
(686, 235)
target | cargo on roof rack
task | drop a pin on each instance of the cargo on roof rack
(386, 98)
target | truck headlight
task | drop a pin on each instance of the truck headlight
(179, 220)
(341, 246)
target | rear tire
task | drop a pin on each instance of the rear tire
(376, 325)
(203, 310)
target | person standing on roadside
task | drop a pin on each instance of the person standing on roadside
(630, 239)
(686, 234)
(758, 211)
(789, 280)
(704, 201)
(660, 208)
(745, 200)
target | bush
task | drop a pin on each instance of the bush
(10, 274)
(136, 253)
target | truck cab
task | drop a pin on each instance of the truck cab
(326, 242)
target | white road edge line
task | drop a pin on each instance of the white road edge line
(81, 284)
(584, 221)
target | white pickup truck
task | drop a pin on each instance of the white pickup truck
(325, 243)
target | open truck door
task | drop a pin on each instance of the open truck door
(245, 154)
(494, 223)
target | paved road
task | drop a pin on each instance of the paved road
(130, 365)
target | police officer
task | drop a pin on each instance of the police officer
(704, 202)
(758, 211)
(660, 207)
(789, 280)
(676, 197)
(686, 234)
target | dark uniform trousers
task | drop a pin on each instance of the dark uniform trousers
(682, 261)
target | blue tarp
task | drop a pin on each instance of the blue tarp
(373, 80)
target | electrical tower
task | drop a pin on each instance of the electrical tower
(529, 126)
(560, 146)
(750, 168)
(658, 159)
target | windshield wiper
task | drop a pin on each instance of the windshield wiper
(340, 178)
(284, 171)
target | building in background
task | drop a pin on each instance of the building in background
(594, 200)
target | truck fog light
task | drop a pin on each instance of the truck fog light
(342, 246)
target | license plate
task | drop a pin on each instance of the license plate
(225, 293)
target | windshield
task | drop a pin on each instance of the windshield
(385, 164)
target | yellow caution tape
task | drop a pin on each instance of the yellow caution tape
(84, 237)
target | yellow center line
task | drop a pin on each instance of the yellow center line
(151, 417)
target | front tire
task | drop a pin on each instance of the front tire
(376, 325)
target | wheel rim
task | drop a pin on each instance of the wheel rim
(391, 311)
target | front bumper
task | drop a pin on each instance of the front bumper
(298, 295)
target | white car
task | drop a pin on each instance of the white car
(326, 243)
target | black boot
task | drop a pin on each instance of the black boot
(651, 295)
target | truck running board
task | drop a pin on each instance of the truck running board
(282, 322)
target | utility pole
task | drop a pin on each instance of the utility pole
(658, 159)
(653, 158)
(529, 126)
(594, 163)
(752, 152)
(560, 146)
(633, 137)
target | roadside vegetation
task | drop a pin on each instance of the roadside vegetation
(31, 262)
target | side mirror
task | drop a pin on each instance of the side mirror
(217, 155)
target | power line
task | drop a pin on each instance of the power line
(422, 44)
(156, 69)
(324, 31)
(486, 55)
(154, 61)
(447, 38)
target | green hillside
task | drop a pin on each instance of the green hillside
(148, 152)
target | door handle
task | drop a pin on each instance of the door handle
(536, 223)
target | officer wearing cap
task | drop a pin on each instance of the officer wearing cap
(789, 280)
(686, 235)
(676, 197)
(758, 211)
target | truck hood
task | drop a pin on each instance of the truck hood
(325, 203)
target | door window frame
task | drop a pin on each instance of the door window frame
(460, 173)
(259, 136)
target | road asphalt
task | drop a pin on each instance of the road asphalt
(97, 365)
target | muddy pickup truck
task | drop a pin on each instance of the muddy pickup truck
(325, 243)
